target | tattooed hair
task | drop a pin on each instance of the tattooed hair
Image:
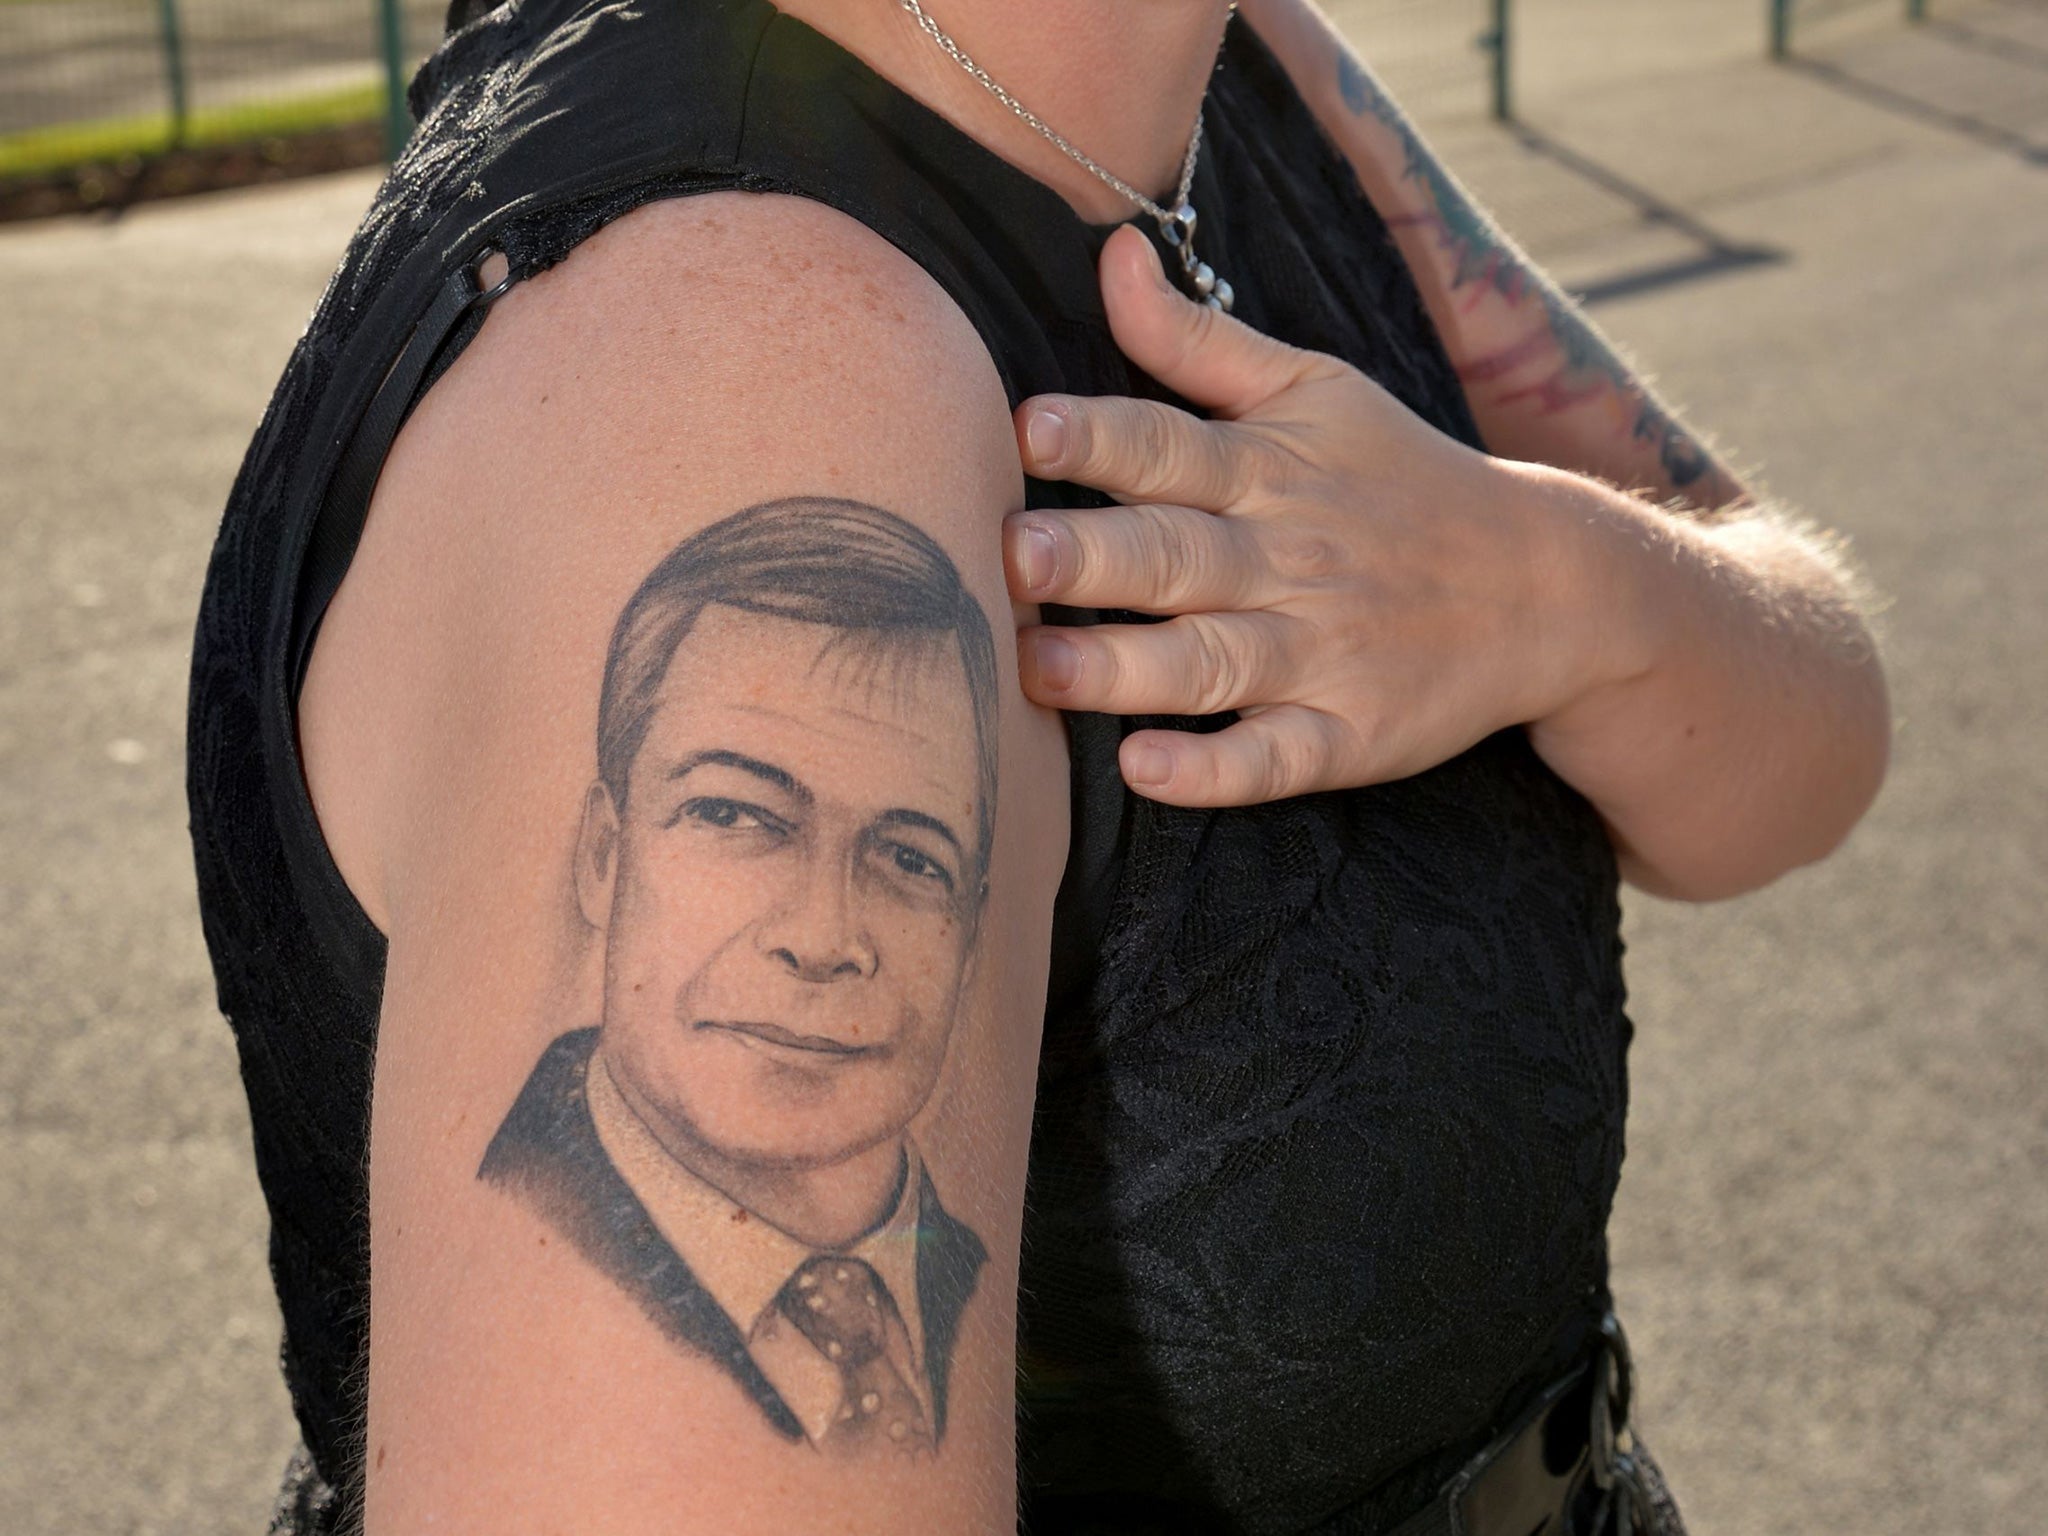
(876, 579)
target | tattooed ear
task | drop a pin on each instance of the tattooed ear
(597, 853)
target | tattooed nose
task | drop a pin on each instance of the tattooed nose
(833, 965)
(819, 935)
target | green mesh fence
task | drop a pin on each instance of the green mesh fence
(89, 80)
(86, 81)
(1785, 17)
(1439, 58)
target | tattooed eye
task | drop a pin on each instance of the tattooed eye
(728, 815)
(918, 866)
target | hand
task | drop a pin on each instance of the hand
(1370, 596)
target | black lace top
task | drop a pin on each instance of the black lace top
(1330, 1114)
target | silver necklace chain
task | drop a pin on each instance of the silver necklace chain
(1176, 224)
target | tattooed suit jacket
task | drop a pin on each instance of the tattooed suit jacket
(548, 1153)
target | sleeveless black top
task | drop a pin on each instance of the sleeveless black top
(1330, 1112)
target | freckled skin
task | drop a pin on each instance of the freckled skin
(784, 959)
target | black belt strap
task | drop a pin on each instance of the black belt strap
(1533, 1477)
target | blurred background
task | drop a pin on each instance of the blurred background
(105, 101)
(1822, 227)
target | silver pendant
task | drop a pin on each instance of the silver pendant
(1177, 229)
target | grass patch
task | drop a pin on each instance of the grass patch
(118, 138)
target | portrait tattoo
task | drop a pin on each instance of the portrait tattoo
(784, 850)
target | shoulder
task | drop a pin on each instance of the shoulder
(745, 301)
(706, 341)
(696, 356)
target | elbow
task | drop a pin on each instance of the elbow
(1853, 771)
(1864, 762)
(1801, 821)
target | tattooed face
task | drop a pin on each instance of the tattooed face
(788, 892)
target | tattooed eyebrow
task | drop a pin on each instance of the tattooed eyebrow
(902, 818)
(779, 777)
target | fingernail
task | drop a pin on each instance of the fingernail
(1038, 556)
(1147, 764)
(1057, 660)
(1046, 432)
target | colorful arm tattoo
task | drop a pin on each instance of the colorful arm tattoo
(1481, 260)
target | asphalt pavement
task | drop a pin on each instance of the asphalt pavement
(1833, 1228)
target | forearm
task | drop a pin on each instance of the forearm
(1543, 384)
(1744, 725)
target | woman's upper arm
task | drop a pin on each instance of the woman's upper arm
(1543, 383)
(668, 724)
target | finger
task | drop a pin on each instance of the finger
(1288, 750)
(1197, 664)
(1148, 558)
(1198, 352)
(1136, 450)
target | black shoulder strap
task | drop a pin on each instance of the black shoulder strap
(338, 526)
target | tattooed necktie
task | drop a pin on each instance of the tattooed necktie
(844, 1309)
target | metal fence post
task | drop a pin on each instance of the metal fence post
(397, 118)
(1499, 42)
(1781, 27)
(174, 67)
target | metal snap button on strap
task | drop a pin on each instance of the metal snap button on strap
(1610, 1447)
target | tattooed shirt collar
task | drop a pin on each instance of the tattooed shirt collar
(744, 1262)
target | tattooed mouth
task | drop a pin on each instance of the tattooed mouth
(788, 1039)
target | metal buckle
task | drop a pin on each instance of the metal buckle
(1613, 1386)
(486, 297)
(1610, 1454)
(1534, 1478)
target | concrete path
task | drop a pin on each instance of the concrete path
(1834, 1223)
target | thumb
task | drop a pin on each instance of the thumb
(1198, 352)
